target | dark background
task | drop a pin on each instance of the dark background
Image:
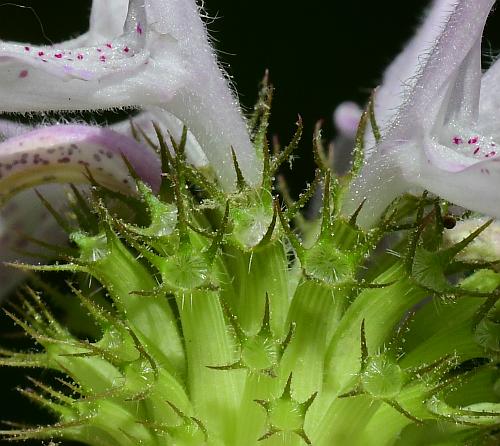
(319, 53)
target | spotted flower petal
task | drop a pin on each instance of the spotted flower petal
(161, 58)
(437, 140)
(66, 153)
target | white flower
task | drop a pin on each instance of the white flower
(439, 118)
(160, 57)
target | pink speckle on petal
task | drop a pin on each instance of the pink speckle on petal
(476, 151)
(98, 50)
(473, 140)
(102, 58)
(58, 55)
(456, 140)
(139, 28)
(126, 49)
(41, 53)
(79, 57)
(109, 45)
(26, 48)
(23, 74)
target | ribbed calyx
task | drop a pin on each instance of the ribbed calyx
(227, 319)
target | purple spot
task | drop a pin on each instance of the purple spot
(41, 53)
(102, 58)
(26, 48)
(58, 56)
(79, 57)
(476, 151)
(23, 74)
(139, 28)
(473, 140)
(98, 50)
(109, 45)
(456, 140)
(126, 49)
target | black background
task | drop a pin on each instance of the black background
(319, 53)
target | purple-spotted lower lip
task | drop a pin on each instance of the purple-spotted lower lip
(460, 153)
(64, 153)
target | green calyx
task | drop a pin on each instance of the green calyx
(229, 319)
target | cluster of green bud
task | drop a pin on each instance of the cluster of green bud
(225, 319)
